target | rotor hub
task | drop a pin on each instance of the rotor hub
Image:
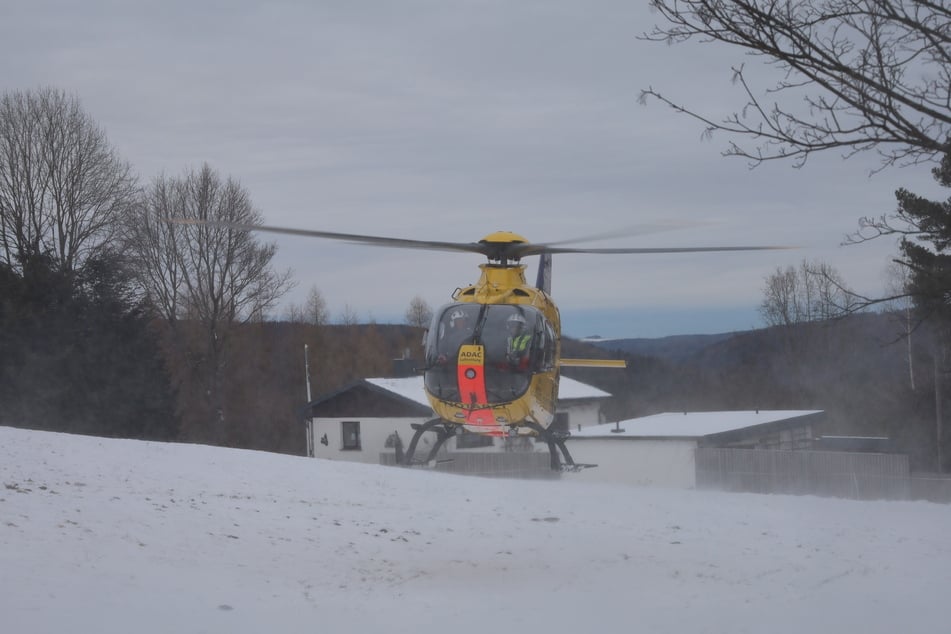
(502, 246)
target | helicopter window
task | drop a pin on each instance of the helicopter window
(517, 342)
(512, 335)
(452, 326)
(455, 326)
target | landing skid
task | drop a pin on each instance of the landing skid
(444, 431)
(556, 444)
(561, 459)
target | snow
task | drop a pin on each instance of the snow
(689, 424)
(117, 536)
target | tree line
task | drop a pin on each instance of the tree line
(115, 321)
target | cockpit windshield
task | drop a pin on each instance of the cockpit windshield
(517, 342)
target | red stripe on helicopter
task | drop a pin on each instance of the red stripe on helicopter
(470, 374)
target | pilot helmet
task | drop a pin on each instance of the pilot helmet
(457, 319)
(515, 322)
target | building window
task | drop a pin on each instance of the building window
(561, 423)
(350, 432)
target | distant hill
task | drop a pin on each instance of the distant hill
(676, 349)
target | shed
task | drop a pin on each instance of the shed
(659, 449)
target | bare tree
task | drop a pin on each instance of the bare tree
(313, 311)
(779, 298)
(156, 242)
(829, 296)
(419, 313)
(63, 189)
(211, 272)
(213, 275)
(812, 292)
(865, 74)
(348, 316)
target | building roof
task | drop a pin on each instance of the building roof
(365, 398)
(410, 387)
(690, 425)
(570, 389)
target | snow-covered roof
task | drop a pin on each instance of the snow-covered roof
(569, 389)
(412, 389)
(688, 424)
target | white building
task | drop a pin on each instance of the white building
(358, 422)
(660, 450)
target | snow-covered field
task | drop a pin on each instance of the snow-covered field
(102, 536)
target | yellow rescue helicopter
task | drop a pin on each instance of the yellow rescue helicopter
(493, 354)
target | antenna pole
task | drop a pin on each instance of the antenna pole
(310, 422)
(307, 372)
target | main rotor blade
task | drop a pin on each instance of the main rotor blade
(353, 238)
(531, 249)
(498, 251)
(627, 232)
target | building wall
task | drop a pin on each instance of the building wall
(375, 431)
(373, 435)
(584, 414)
(665, 463)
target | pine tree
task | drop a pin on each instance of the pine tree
(77, 354)
(930, 280)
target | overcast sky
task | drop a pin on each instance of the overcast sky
(450, 119)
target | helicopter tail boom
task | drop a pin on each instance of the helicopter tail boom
(592, 363)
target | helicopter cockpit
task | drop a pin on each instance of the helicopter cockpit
(517, 342)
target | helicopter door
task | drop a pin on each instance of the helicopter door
(453, 327)
(513, 336)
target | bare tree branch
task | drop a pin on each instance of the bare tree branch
(812, 292)
(856, 75)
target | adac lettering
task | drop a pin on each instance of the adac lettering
(470, 355)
